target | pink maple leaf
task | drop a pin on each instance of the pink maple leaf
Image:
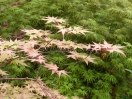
(51, 66)
(73, 55)
(96, 47)
(106, 47)
(116, 48)
(33, 53)
(89, 59)
(78, 56)
(39, 59)
(9, 52)
(54, 69)
(61, 72)
(63, 31)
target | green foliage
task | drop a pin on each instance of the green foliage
(107, 19)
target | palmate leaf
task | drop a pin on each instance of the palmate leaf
(106, 47)
(28, 47)
(53, 19)
(11, 43)
(54, 69)
(3, 72)
(71, 30)
(77, 30)
(3, 57)
(81, 57)
(34, 33)
(39, 59)
(33, 53)
(10, 92)
(60, 72)
(63, 29)
(6, 54)
(18, 61)
(70, 45)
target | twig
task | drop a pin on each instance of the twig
(46, 90)
(17, 78)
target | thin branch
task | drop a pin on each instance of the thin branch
(17, 78)
(46, 90)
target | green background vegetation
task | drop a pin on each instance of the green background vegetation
(108, 19)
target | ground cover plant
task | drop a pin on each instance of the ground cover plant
(88, 54)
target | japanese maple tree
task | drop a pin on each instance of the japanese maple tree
(29, 47)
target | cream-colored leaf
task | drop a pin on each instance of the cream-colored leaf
(3, 72)
(18, 61)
